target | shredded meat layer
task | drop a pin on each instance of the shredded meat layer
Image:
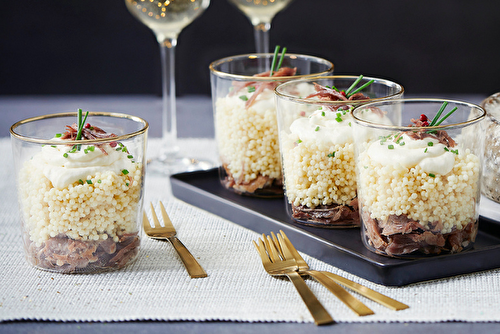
(66, 255)
(328, 215)
(400, 235)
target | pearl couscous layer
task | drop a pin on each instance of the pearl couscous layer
(425, 198)
(317, 174)
(247, 139)
(102, 206)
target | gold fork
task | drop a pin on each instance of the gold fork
(276, 266)
(169, 233)
(384, 300)
(349, 300)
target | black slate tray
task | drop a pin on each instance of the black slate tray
(342, 248)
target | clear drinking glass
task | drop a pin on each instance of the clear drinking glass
(491, 178)
(167, 19)
(246, 127)
(80, 200)
(261, 13)
(317, 146)
(419, 176)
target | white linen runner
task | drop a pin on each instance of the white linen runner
(157, 287)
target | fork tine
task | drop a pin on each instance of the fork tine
(262, 252)
(294, 253)
(277, 244)
(273, 252)
(284, 247)
(164, 215)
(153, 214)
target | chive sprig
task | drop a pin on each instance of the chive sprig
(275, 59)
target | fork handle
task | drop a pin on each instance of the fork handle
(193, 267)
(320, 315)
(368, 293)
(352, 302)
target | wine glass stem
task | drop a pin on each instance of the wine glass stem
(169, 119)
(261, 32)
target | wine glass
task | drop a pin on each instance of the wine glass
(167, 18)
(261, 13)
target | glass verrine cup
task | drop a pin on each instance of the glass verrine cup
(317, 146)
(80, 200)
(246, 128)
(419, 178)
(490, 185)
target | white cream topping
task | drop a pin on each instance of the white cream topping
(435, 159)
(63, 171)
(331, 127)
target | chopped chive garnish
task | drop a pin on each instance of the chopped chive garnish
(338, 119)
(432, 175)
(99, 181)
(317, 128)
(91, 148)
(65, 155)
(244, 97)
(323, 113)
(89, 181)
(430, 144)
(339, 115)
(58, 135)
(299, 141)
(80, 181)
(127, 184)
(365, 167)
(251, 89)
(331, 155)
(455, 151)
(54, 146)
(446, 149)
(349, 123)
(130, 156)
(125, 172)
(390, 147)
(425, 151)
(124, 149)
(402, 143)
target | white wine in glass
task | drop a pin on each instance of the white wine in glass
(167, 19)
(261, 13)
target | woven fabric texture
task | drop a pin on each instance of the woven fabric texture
(157, 287)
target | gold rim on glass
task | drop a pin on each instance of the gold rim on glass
(395, 128)
(222, 74)
(74, 142)
(278, 91)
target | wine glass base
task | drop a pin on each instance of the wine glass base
(168, 166)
